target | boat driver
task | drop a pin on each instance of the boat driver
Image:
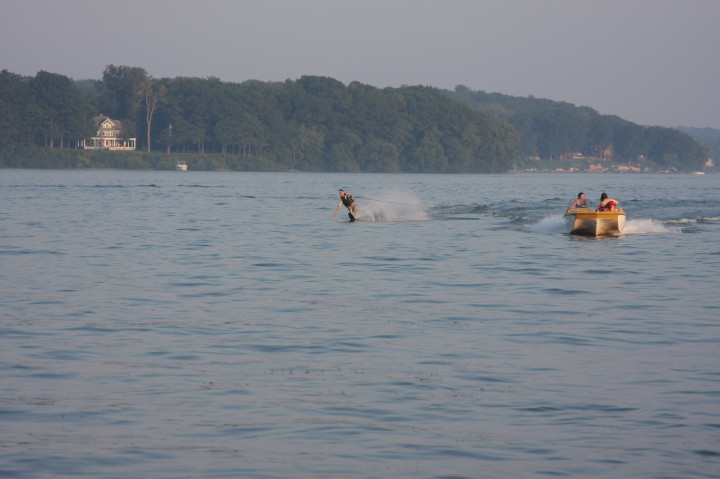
(580, 202)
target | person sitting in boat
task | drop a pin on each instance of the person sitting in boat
(348, 201)
(607, 204)
(580, 202)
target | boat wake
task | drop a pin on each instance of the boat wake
(553, 224)
(393, 207)
(704, 220)
(549, 225)
(648, 226)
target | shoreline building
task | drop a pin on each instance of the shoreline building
(109, 136)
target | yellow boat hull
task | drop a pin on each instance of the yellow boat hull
(580, 221)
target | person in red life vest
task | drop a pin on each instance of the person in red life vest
(347, 201)
(607, 204)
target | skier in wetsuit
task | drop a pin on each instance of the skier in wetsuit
(347, 201)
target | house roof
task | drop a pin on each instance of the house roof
(100, 119)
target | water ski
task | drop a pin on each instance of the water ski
(352, 217)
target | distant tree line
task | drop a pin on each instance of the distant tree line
(549, 129)
(311, 124)
(47, 110)
(707, 136)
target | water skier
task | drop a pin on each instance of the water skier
(347, 201)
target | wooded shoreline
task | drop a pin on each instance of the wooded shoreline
(318, 124)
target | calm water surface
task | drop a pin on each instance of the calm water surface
(226, 325)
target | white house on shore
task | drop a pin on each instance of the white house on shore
(108, 136)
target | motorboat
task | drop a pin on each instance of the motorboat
(181, 166)
(587, 222)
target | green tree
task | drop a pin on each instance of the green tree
(630, 140)
(18, 112)
(430, 155)
(379, 155)
(63, 109)
(153, 95)
(122, 93)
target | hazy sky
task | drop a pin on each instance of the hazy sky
(654, 62)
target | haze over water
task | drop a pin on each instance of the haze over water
(193, 324)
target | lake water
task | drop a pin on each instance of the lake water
(158, 324)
